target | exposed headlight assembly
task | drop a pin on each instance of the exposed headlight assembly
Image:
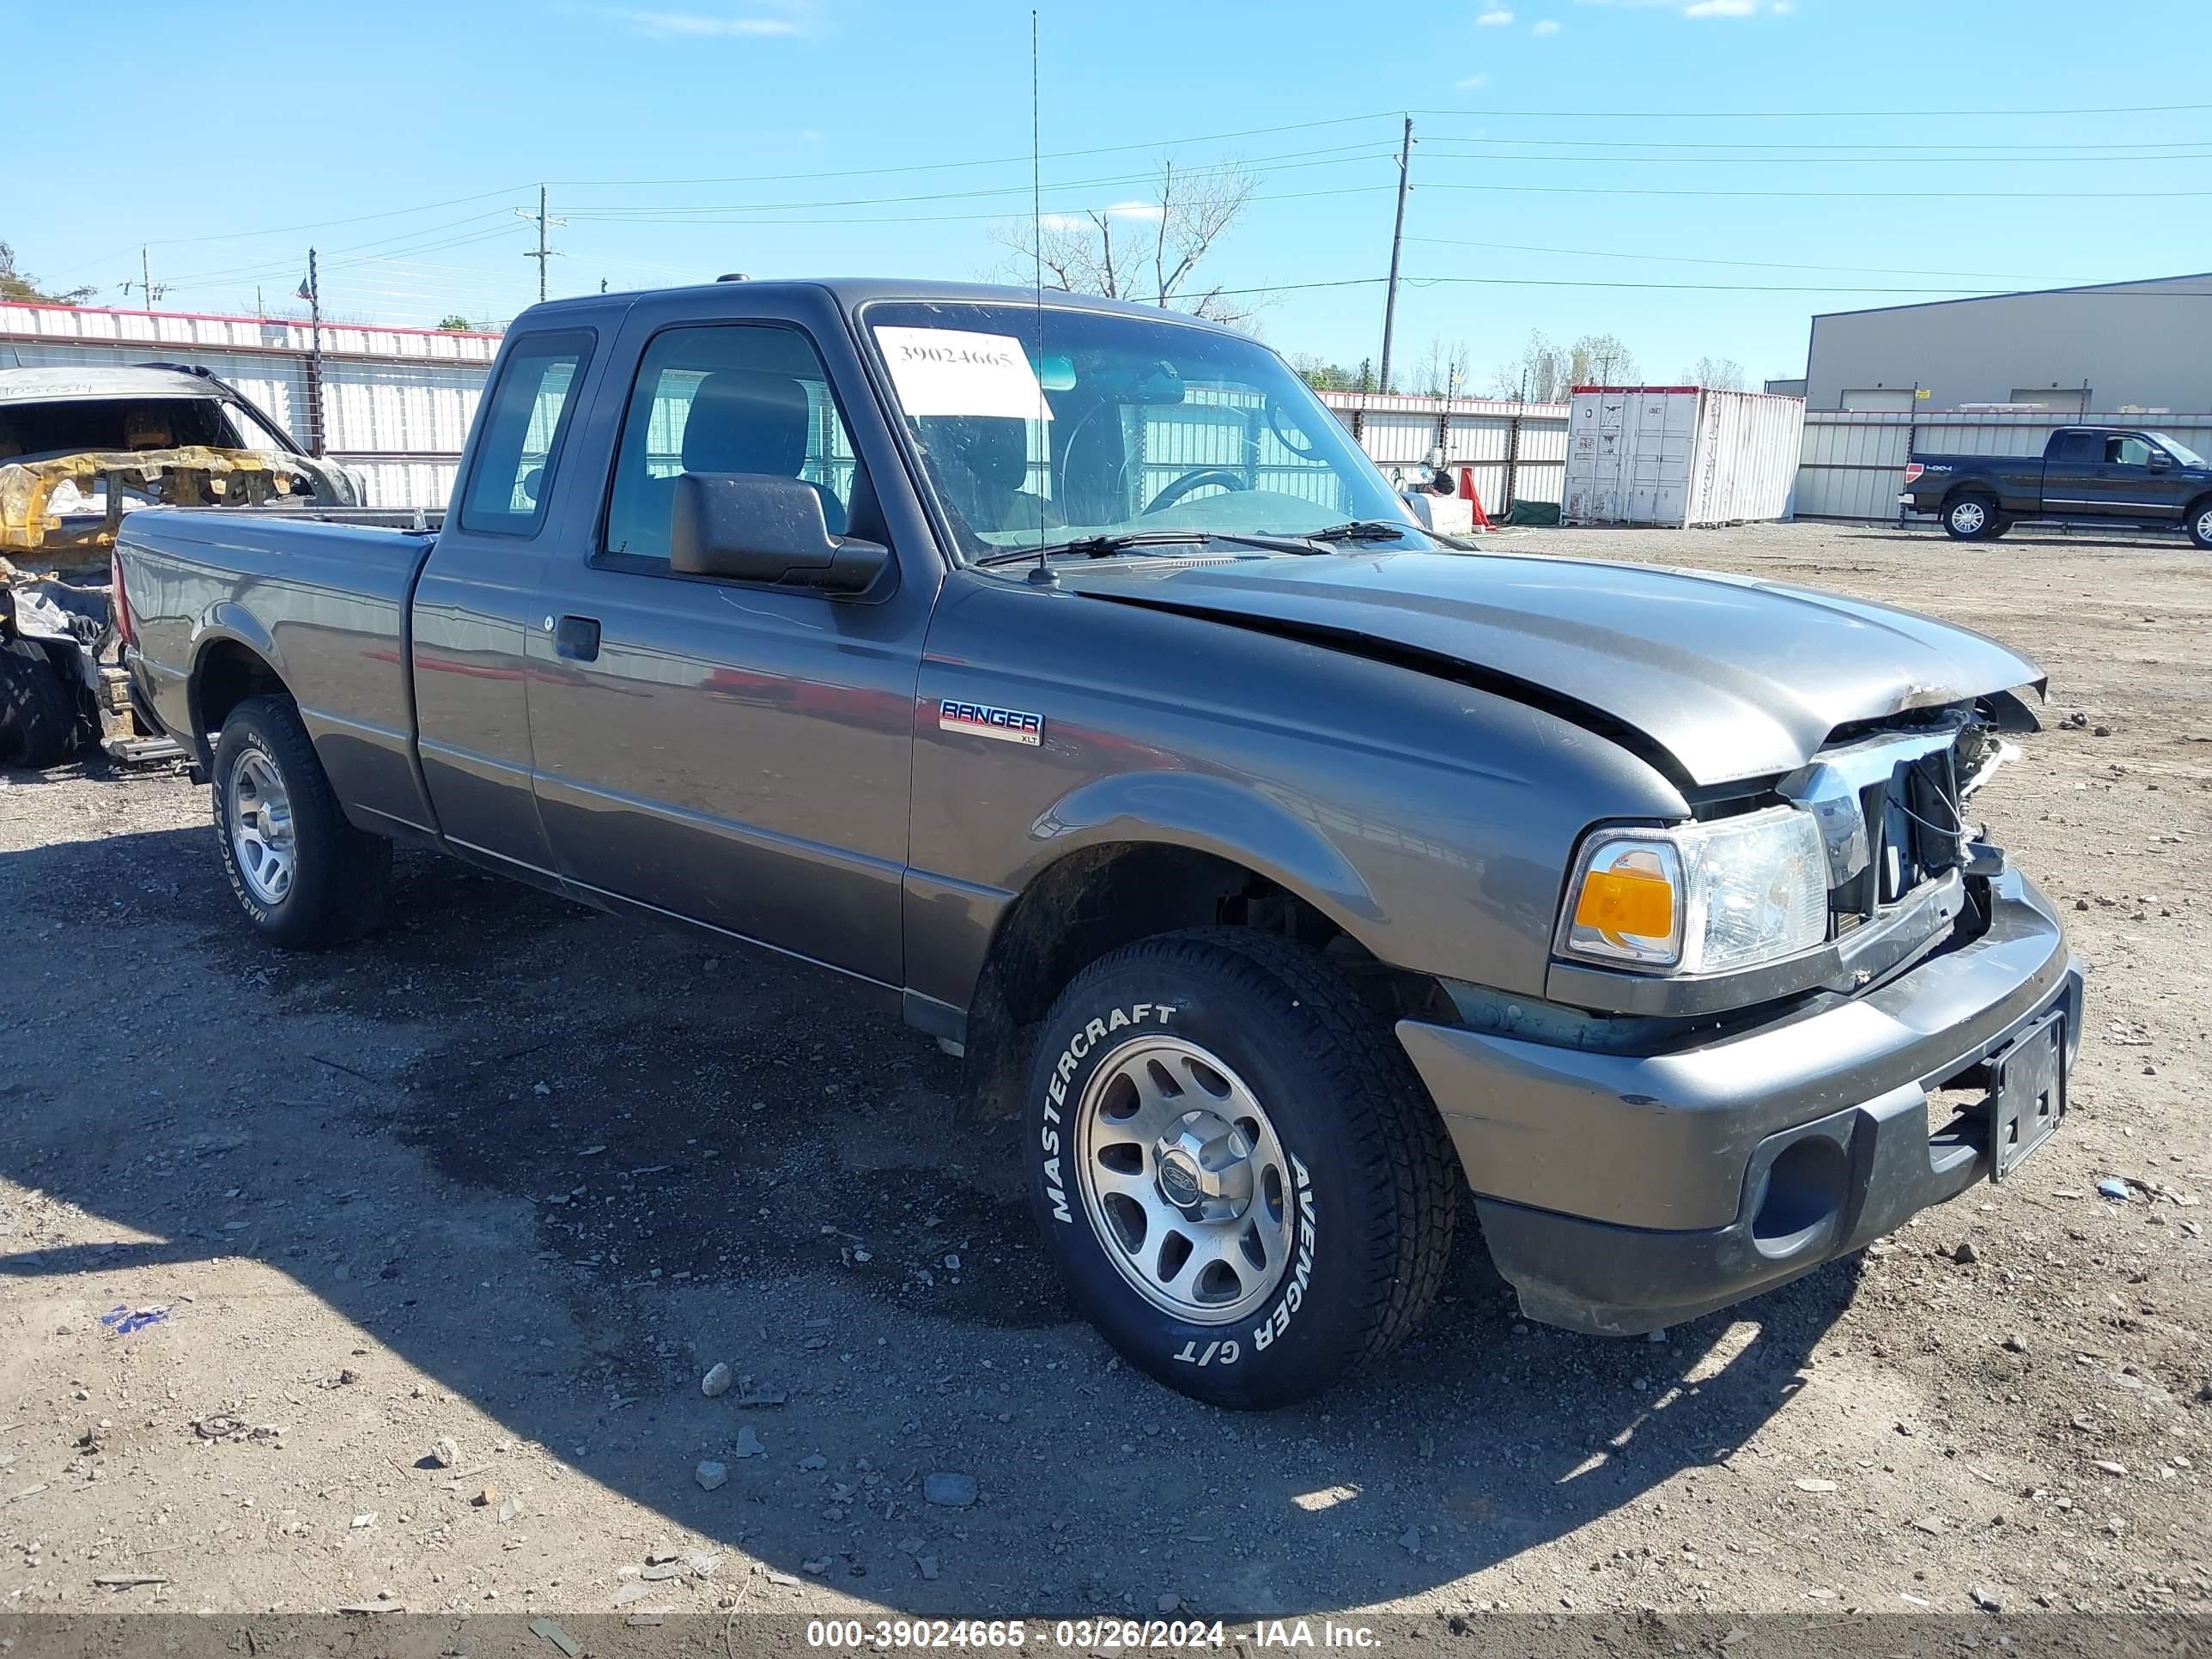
(1699, 898)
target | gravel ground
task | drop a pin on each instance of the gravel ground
(501, 1185)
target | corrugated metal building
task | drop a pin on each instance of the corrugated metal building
(396, 401)
(2117, 347)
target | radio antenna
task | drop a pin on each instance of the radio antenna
(1041, 575)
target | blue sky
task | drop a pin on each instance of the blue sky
(1752, 147)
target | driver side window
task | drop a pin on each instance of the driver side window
(729, 397)
(2129, 450)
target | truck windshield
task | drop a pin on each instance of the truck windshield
(1079, 425)
(2180, 451)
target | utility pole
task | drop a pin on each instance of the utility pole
(541, 252)
(147, 291)
(314, 287)
(1397, 240)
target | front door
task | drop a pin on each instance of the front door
(731, 753)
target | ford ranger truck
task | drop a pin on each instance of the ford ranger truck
(1060, 671)
(2087, 475)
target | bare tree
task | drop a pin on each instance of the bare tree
(1441, 371)
(1601, 360)
(1145, 251)
(1720, 374)
(1538, 375)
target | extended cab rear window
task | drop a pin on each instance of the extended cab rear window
(524, 425)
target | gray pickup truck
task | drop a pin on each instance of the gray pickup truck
(1063, 672)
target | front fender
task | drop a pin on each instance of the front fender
(1268, 831)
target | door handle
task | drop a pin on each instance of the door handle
(578, 638)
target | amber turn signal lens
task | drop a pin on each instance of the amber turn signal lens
(1627, 900)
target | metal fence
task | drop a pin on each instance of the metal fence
(395, 404)
(1853, 464)
(1516, 451)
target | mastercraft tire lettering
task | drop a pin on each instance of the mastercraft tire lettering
(1235, 1168)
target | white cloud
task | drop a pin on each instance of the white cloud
(1135, 211)
(1703, 8)
(1469, 83)
(1496, 17)
(698, 26)
(1548, 26)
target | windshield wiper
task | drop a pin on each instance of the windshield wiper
(1105, 546)
(1362, 529)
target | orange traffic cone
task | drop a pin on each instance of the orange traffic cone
(1467, 492)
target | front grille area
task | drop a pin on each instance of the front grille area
(1911, 811)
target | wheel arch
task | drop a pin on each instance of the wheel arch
(1141, 867)
(230, 662)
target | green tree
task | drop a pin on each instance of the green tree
(456, 323)
(1322, 375)
(21, 285)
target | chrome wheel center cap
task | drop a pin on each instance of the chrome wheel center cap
(1203, 1166)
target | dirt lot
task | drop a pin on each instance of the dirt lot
(517, 1175)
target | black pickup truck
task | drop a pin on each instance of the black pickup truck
(2107, 474)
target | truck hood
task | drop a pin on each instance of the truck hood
(1732, 679)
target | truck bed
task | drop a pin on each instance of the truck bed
(337, 592)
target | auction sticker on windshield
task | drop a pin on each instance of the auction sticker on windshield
(947, 371)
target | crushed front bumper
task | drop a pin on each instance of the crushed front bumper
(1622, 1193)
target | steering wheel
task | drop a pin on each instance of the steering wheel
(1197, 478)
(1276, 419)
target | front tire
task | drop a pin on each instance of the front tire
(1236, 1168)
(1971, 519)
(305, 876)
(2200, 524)
(38, 714)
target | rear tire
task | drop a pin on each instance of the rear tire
(1236, 1168)
(1969, 517)
(305, 876)
(2200, 524)
(38, 714)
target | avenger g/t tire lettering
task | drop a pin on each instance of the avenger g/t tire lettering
(1236, 1168)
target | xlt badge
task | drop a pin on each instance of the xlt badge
(1007, 725)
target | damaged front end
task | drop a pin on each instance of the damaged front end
(66, 510)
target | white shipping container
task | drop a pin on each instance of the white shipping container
(1680, 457)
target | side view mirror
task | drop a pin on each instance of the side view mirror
(760, 527)
(2159, 460)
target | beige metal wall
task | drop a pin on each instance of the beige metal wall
(2146, 346)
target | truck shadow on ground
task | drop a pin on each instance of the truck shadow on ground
(561, 1164)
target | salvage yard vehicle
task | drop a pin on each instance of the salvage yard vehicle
(1062, 671)
(2090, 475)
(80, 447)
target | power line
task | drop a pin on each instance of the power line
(1714, 144)
(1813, 114)
(1693, 259)
(1835, 195)
(678, 211)
(1703, 288)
